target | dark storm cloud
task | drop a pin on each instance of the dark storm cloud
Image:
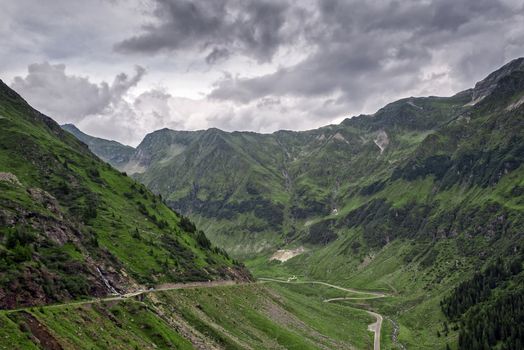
(217, 54)
(254, 28)
(293, 64)
(382, 47)
(68, 97)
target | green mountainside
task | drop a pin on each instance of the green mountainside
(89, 257)
(423, 200)
(255, 192)
(71, 226)
(250, 316)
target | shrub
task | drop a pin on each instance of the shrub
(21, 253)
(202, 240)
(187, 225)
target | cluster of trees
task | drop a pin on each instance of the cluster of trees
(18, 242)
(500, 323)
(265, 209)
(160, 223)
(321, 233)
(478, 288)
(489, 308)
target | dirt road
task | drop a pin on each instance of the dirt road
(164, 287)
(374, 327)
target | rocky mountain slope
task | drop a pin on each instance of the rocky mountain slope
(72, 226)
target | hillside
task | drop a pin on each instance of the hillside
(92, 259)
(71, 226)
(251, 316)
(423, 199)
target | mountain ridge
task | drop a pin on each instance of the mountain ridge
(482, 88)
(287, 178)
(110, 151)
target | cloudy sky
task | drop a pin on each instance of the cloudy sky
(119, 69)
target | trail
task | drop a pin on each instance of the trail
(374, 327)
(161, 288)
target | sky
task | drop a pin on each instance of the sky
(119, 69)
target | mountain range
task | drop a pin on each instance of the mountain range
(92, 259)
(424, 199)
(427, 167)
(414, 212)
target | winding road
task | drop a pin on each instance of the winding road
(374, 327)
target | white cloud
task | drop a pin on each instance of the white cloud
(70, 98)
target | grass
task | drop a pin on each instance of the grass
(259, 316)
(306, 301)
(84, 214)
(122, 325)
(415, 290)
(12, 336)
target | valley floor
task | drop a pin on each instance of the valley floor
(356, 296)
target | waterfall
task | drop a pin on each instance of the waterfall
(106, 282)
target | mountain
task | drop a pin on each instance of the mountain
(423, 199)
(72, 226)
(91, 259)
(112, 152)
(296, 187)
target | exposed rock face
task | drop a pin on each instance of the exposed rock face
(515, 104)
(485, 87)
(283, 255)
(382, 140)
(10, 178)
(338, 136)
(46, 199)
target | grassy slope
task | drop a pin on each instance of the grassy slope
(233, 317)
(67, 213)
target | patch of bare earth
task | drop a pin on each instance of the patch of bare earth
(283, 255)
(11, 178)
(40, 332)
(381, 140)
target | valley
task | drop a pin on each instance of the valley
(262, 175)
(360, 296)
(397, 230)
(415, 201)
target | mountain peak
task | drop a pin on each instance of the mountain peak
(70, 126)
(7, 93)
(486, 86)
